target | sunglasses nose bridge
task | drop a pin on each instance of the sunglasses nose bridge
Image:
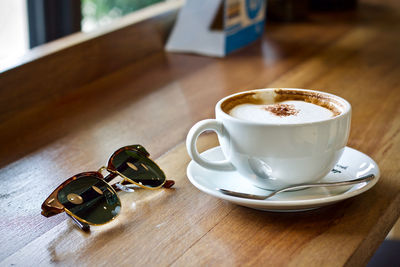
(101, 169)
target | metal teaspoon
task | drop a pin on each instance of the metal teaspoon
(366, 178)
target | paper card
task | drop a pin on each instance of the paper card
(217, 27)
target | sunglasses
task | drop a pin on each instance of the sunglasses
(89, 199)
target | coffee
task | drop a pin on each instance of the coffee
(282, 106)
(282, 137)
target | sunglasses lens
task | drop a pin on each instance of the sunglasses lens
(138, 167)
(91, 199)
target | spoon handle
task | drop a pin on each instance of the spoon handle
(366, 178)
(308, 185)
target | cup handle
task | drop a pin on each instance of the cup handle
(191, 140)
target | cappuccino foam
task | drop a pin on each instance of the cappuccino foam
(285, 112)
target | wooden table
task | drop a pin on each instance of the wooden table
(154, 102)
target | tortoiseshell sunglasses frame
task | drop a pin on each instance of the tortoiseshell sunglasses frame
(52, 206)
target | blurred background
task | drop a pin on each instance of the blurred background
(25, 24)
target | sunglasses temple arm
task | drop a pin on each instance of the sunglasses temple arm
(168, 183)
(83, 226)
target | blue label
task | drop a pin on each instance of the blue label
(253, 7)
(244, 36)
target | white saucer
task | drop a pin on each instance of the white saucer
(353, 164)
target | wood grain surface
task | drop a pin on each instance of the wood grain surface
(155, 101)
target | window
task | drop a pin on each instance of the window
(25, 24)
(96, 13)
(13, 28)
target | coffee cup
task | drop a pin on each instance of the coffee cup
(277, 137)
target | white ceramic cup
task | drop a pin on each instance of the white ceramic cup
(273, 155)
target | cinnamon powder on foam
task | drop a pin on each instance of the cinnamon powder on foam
(282, 110)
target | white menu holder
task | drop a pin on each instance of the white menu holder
(217, 27)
